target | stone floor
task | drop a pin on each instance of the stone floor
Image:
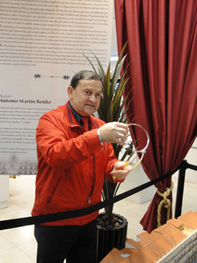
(19, 245)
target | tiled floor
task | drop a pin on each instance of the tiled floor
(18, 244)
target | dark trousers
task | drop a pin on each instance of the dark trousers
(75, 243)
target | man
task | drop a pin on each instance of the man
(74, 155)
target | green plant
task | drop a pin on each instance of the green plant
(112, 108)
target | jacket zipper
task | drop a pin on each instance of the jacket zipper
(94, 179)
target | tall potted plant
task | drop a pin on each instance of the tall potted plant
(112, 108)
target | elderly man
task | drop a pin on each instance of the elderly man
(74, 155)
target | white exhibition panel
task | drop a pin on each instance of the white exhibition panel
(42, 45)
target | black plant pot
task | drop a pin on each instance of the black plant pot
(108, 238)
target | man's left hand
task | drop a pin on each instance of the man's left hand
(120, 171)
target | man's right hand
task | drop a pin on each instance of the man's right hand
(114, 132)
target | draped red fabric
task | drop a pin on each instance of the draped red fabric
(162, 51)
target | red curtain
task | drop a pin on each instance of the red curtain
(162, 51)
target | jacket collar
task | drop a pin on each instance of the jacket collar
(77, 117)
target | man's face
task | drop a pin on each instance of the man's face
(85, 98)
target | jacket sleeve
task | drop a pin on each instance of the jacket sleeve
(111, 160)
(58, 150)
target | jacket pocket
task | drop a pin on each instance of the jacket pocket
(53, 190)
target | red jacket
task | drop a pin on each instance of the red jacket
(72, 164)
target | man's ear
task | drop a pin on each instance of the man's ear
(70, 92)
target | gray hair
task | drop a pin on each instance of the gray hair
(84, 74)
